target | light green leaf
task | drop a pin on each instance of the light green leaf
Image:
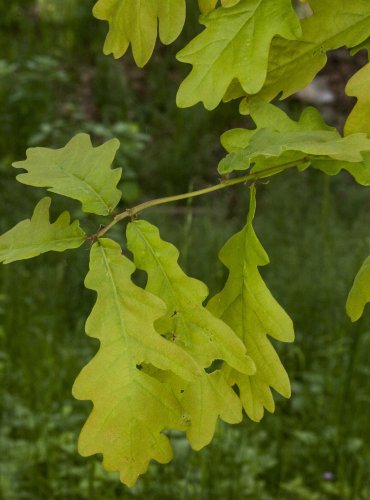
(268, 116)
(131, 408)
(237, 139)
(234, 45)
(294, 64)
(359, 86)
(359, 295)
(137, 22)
(37, 235)
(78, 171)
(206, 6)
(203, 401)
(248, 307)
(192, 326)
(269, 143)
(195, 329)
(286, 141)
(360, 171)
(363, 45)
(271, 117)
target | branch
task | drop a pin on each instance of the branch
(131, 212)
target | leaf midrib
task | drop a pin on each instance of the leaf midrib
(85, 183)
(159, 264)
(229, 41)
(31, 246)
(117, 302)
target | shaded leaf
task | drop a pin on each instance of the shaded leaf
(359, 295)
(78, 171)
(234, 45)
(131, 408)
(248, 307)
(360, 171)
(137, 23)
(37, 235)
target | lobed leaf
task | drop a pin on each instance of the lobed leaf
(359, 86)
(267, 143)
(203, 401)
(365, 45)
(359, 294)
(294, 63)
(32, 237)
(78, 171)
(206, 6)
(360, 171)
(192, 326)
(137, 23)
(269, 117)
(196, 330)
(234, 45)
(280, 141)
(248, 307)
(131, 408)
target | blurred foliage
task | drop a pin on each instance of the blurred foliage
(54, 82)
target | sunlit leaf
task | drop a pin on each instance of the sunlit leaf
(131, 408)
(365, 45)
(359, 86)
(195, 329)
(137, 22)
(248, 307)
(203, 401)
(206, 6)
(234, 45)
(206, 337)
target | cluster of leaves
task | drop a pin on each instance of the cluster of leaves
(168, 361)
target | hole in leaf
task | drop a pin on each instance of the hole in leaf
(216, 365)
(140, 278)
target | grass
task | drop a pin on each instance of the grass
(315, 446)
(315, 230)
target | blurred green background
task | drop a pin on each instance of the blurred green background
(55, 82)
